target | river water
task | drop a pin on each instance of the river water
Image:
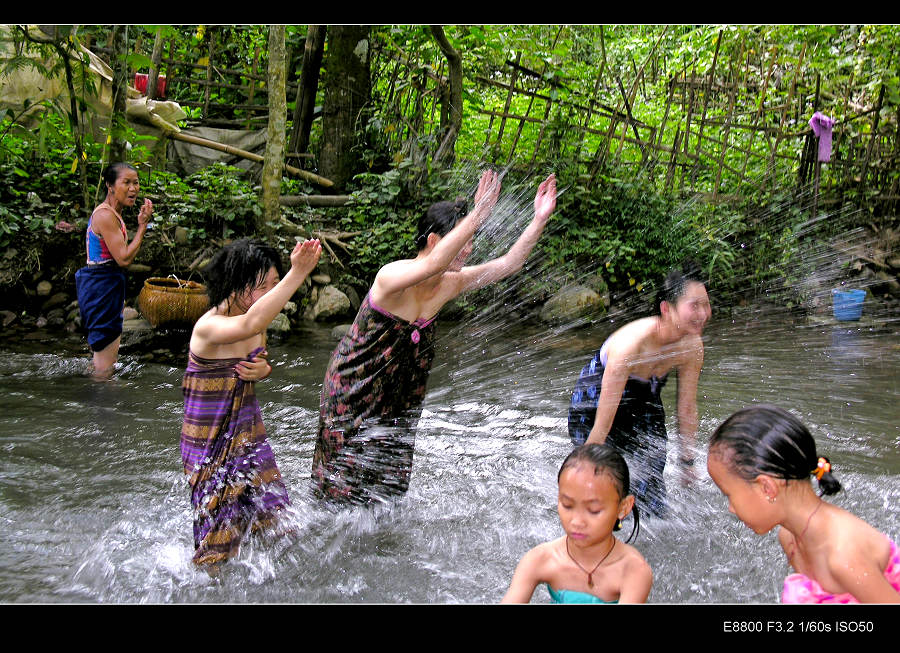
(94, 507)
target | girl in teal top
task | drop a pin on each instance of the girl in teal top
(588, 564)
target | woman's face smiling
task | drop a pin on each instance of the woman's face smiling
(248, 298)
(692, 309)
(588, 504)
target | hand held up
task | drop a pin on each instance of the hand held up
(146, 212)
(545, 199)
(487, 195)
(305, 256)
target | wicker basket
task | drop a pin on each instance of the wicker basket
(172, 302)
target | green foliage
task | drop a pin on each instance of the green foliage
(215, 202)
(621, 223)
(387, 215)
(38, 185)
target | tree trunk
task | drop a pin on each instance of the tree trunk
(347, 90)
(275, 137)
(308, 88)
(451, 128)
(155, 58)
(117, 120)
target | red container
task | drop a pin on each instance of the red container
(140, 83)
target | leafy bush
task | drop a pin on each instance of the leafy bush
(215, 202)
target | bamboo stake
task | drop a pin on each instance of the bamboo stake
(509, 97)
(725, 139)
(540, 137)
(778, 134)
(590, 108)
(708, 90)
(862, 177)
(209, 67)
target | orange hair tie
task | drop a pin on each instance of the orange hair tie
(822, 468)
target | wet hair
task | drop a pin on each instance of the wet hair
(675, 282)
(240, 265)
(440, 218)
(769, 440)
(605, 460)
(112, 172)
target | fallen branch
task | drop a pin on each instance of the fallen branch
(314, 200)
(325, 244)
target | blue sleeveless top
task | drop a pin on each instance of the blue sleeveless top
(571, 596)
(97, 251)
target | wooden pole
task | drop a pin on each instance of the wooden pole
(228, 149)
(209, 68)
(154, 64)
(709, 83)
(876, 118)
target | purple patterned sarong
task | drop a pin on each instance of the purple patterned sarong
(235, 483)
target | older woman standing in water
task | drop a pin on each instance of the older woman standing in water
(373, 389)
(100, 285)
(617, 401)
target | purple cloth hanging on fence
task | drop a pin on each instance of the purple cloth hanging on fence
(821, 126)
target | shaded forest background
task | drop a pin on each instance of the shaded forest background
(670, 142)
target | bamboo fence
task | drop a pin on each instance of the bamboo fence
(724, 132)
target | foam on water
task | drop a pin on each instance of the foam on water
(94, 506)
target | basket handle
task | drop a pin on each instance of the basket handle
(181, 284)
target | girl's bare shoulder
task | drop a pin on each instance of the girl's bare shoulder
(632, 557)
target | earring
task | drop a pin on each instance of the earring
(618, 525)
(772, 499)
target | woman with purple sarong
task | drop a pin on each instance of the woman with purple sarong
(375, 383)
(235, 483)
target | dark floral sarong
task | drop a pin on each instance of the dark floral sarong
(638, 431)
(370, 405)
(235, 483)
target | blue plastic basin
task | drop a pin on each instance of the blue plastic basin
(848, 304)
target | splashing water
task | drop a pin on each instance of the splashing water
(94, 506)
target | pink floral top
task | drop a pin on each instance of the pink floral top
(799, 588)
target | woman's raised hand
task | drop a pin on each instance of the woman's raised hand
(146, 212)
(487, 194)
(545, 199)
(306, 255)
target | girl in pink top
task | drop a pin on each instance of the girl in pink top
(762, 458)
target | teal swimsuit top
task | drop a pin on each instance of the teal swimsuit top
(571, 596)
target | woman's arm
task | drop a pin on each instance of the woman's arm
(615, 376)
(637, 580)
(478, 276)
(223, 330)
(525, 579)
(106, 225)
(688, 418)
(396, 277)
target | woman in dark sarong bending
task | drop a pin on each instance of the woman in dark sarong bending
(375, 383)
(235, 483)
(616, 400)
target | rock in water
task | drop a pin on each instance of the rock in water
(330, 303)
(571, 303)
